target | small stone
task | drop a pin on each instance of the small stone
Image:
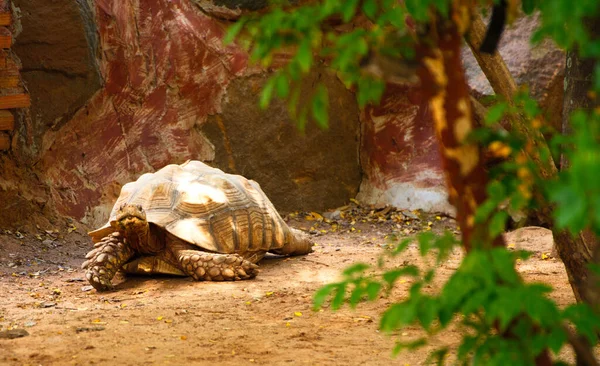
(13, 333)
(87, 288)
(90, 329)
(48, 242)
(48, 304)
(29, 324)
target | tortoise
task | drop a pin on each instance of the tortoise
(190, 220)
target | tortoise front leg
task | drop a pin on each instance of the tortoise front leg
(105, 260)
(215, 267)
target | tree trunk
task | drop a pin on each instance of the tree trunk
(579, 73)
(444, 86)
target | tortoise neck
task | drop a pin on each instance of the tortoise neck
(138, 237)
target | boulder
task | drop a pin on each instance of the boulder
(174, 92)
(58, 48)
(314, 170)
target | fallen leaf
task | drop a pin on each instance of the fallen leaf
(159, 318)
(269, 293)
(313, 216)
(297, 313)
(183, 338)
(355, 201)
(545, 256)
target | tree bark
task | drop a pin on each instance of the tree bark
(579, 73)
(444, 85)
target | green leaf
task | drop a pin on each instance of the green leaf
(356, 295)
(304, 56)
(282, 85)
(408, 345)
(467, 345)
(495, 113)
(373, 289)
(556, 339)
(401, 247)
(233, 31)
(504, 266)
(528, 6)
(438, 356)
(349, 9)
(370, 8)
(427, 311)
(339, 297)
(320, 106)
(398, 315)
(392, 276)
(267, 93)
(498, 223)
(476, 301)
(356, 268)
(322, 294)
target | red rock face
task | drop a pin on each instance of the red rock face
(400, 154)
(165, 70)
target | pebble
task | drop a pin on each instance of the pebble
(13, 333)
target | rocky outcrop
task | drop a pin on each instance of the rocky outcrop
(400, 154)
(172, 93)
(128, 87)
(314, 170)
(58, 46)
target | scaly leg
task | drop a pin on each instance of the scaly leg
(105, 260)
(215, 267)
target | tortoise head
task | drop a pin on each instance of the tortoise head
(131, 219)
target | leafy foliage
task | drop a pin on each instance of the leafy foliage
(505, 320)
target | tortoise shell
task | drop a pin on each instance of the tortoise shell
(205, 206)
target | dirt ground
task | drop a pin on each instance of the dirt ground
(174, 321)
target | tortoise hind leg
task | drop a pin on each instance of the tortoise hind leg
(204, 266)
(298, 243)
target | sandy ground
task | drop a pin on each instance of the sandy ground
(175, 321)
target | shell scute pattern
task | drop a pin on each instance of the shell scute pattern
(206, 207)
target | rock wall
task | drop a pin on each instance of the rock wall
(58, 47)
(400, 154)
(173, 92)
(127, 87)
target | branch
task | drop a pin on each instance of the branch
(493, 66)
